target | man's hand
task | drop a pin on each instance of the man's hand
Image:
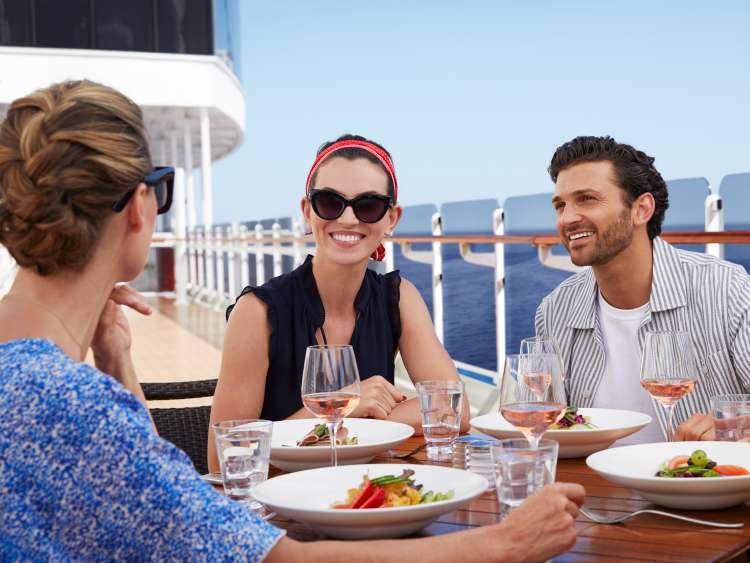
(697, 427)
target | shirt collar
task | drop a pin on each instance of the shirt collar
(667, 287)
(313, 303)
(583, 309)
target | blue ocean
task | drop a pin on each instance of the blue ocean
(469, 308)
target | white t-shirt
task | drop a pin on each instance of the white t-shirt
(620, 387)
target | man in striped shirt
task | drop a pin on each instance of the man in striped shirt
(610, 202)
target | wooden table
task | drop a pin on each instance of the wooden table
(645, 538)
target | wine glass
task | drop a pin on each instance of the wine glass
(330, 386)
(541, 345)
(668, 370)
(532, 396)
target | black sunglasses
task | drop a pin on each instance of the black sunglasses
(162, 180)
(368, 208)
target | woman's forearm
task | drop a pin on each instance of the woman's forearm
(467, 547)
(408, 413)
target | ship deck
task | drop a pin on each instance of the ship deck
(177, 343)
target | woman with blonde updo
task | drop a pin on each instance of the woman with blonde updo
(83, 476)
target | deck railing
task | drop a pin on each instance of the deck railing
(213, 265)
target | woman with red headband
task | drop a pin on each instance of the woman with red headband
(350, 205)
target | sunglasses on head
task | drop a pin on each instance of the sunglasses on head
(368, 208)
(162, 180)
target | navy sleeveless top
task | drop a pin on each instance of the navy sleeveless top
(295, 312)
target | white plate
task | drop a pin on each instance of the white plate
(611, 425)
(635, 467)
(374, 437)
(306, 496)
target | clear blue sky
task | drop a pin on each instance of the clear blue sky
(472, 97)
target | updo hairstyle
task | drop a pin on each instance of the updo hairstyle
(67, 154)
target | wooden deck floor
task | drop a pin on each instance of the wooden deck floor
(177, 343)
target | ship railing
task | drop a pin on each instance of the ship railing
(220, 260)
(215, 264)
(252, 256)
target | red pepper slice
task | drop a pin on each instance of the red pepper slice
(376, 500)
(730, 470)
(364, 495)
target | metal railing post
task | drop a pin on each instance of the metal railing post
(200, 262)
(498, 225)
(189, 259)
(210, 258)
(390, 259)
(244, 250)
(232, 260)
(299, 242)
(219, 244)
(276, 252)
(437, 278)
(714, 220)
(260, 257)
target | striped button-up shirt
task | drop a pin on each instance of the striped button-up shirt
(690, 291)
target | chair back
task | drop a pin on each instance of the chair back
(185, 427)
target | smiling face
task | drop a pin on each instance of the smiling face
(593, 220)
(347, 240)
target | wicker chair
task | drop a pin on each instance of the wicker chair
(186, 427)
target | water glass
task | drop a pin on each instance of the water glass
(521, 470)
(441, 405)
(731, 417)
(478, 459)
(244, 449)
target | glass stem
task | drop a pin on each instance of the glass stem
(332, 434)
(670, 423)
(534, 440)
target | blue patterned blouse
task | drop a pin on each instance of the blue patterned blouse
(83, 476)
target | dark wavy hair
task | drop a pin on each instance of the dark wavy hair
(353, 153)
(636, 174)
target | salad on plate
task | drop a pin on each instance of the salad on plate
(390, 491)
(573, 420)
(698, 464)
(321, 436)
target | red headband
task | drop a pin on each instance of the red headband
(374, 150)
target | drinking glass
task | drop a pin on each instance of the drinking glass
(731, 417)
(441, 405)
(243, 448)
(668, 370)
(532, 395)
(330, 386)
(521, 470)
(539, 345)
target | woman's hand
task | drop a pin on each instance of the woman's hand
(377, 398)
(112, 340)
(544, 525)
(697, 427)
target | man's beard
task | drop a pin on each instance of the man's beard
(611, 242)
